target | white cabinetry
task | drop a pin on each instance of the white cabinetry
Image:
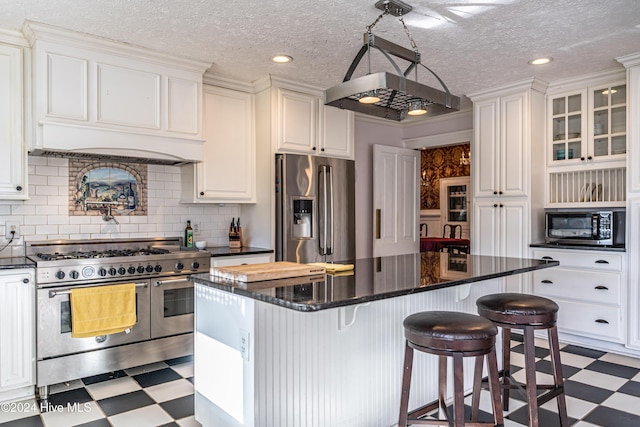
(227, 173)
(588, 287)
(507, 156)
(17, 334)
(305, 126)
(97, 96)
(13, 162)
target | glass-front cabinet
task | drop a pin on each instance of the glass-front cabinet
(454, 202)
(588, 125)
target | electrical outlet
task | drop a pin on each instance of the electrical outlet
(12, 226)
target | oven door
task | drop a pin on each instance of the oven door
(171, 307)
(54, 323)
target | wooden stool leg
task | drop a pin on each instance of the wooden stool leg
(506, 367)
(494, 387)
(557, 374)
(442, 386)
(530, 371)
(477, 382)
(458, 391)
(406, 385)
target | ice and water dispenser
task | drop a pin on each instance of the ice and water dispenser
(302, 218)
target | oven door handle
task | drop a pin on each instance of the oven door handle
(168, 281)
(54, 293)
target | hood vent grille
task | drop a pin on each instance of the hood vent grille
(108, 158)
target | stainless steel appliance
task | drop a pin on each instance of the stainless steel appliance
(585, 227)
(164, 304)
(315, 208)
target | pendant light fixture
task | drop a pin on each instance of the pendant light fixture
(387, 95)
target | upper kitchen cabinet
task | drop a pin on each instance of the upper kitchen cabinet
(97, 96)
(228, 172)
(304, 125)
(13, 163)
(587, 125)
(506, 122)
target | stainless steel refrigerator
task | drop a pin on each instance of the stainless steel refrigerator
(315, 209)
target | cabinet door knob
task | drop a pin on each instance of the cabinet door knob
(499, 192)
(202, 193)
(602, 321)
(495, 192)
(601, 261)
(582, 158)
(547, 281)
(314, 148)
(25, 280)
(501, 205)
(19, 188)
(322, 149)
(589, 158)
(495, 205)
(601, 288)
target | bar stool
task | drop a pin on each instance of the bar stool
(457, 335)
(528, 313)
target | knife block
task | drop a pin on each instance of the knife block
(235, 239)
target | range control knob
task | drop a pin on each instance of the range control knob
(103, 272)
(112, 271)
(131, 270)
(60, 275)
(195, 265)
(157, 268)
(122, 271)
(74, 274)
(179, 266)
(140, 269)
(149, 268)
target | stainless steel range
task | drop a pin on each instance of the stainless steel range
(164, 304)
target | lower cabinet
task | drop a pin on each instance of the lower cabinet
(225, 261)
(17, 334)
(588, 286)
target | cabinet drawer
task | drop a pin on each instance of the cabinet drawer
(582, 259)
(595, 286)
(239, 260)
(591, 320)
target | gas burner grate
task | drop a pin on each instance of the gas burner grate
(111, 253)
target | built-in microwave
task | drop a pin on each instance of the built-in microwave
(585, 227)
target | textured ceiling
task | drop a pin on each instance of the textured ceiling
(471, 45)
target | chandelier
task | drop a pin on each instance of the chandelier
(387, 95)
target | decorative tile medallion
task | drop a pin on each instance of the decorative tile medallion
(103, 187)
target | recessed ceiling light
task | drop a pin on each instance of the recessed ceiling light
(540, 61)
(282, 59)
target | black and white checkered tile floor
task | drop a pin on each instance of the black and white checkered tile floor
(603, 389)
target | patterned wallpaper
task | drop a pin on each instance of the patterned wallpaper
(440, 162)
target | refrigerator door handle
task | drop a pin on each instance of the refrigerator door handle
(330, 209)
(322, 209)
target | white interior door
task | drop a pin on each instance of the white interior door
(396, 197)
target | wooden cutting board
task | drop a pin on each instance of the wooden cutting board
(266, 271)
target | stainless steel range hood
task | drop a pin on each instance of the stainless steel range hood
(394, 90)
(103, 157)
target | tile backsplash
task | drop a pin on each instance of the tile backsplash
(45, 216)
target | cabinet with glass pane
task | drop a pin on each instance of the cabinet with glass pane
(588, 125)
(454, 201)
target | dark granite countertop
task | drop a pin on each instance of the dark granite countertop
(614, 248)
(16, 262)
(370, 280)
(218, 251)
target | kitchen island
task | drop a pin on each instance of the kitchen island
(327, 350)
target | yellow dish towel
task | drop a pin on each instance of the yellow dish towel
(333, 268)
(102, 310)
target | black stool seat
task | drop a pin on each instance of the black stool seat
(456, 335)
(528, 313)
(518, 309)
(450, 331)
